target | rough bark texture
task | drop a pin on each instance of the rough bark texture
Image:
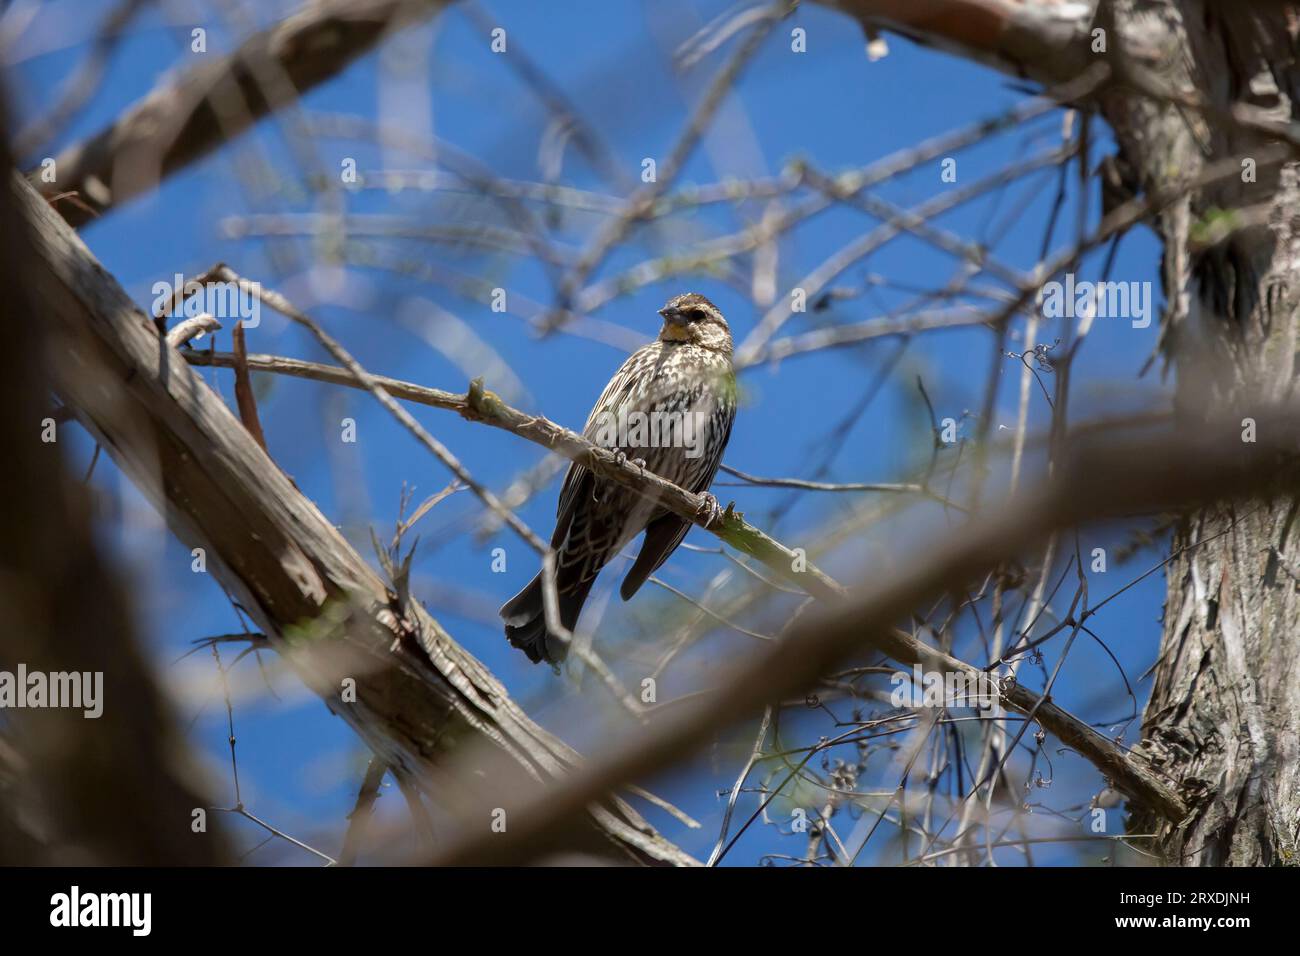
(1222, 719)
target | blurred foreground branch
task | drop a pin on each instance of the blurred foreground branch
(108, 782)
(1103, 474)
(191, 114)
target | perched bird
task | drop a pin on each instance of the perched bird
(669, 409)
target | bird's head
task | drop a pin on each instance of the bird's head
(693, 318)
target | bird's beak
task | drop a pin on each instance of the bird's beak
(675, 316)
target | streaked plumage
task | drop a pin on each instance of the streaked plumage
(687, 370)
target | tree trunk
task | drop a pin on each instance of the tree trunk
(1221, 721)
(1221, 724)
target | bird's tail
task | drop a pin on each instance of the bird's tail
(525, 620)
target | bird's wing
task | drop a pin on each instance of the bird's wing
(571, 492)
(665, 533)
(578, 481)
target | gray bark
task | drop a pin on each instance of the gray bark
(1222, 719)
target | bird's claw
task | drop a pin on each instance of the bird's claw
(709, 511)
(620, 456)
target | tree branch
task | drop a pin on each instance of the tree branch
(115, 787)
(419, 695)
(480, 405)
(192, 114)
(1042, 39)
(1104, 475)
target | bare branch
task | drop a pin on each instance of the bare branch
(181, 121)
(1104, 475)
(418, 693)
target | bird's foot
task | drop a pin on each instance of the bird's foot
(620, 456)
(709, 511)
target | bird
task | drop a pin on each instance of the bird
(669, 410)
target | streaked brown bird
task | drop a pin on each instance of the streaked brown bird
(669, 408)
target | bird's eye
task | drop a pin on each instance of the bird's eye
(697, 315)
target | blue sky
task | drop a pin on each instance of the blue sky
(299, 766)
